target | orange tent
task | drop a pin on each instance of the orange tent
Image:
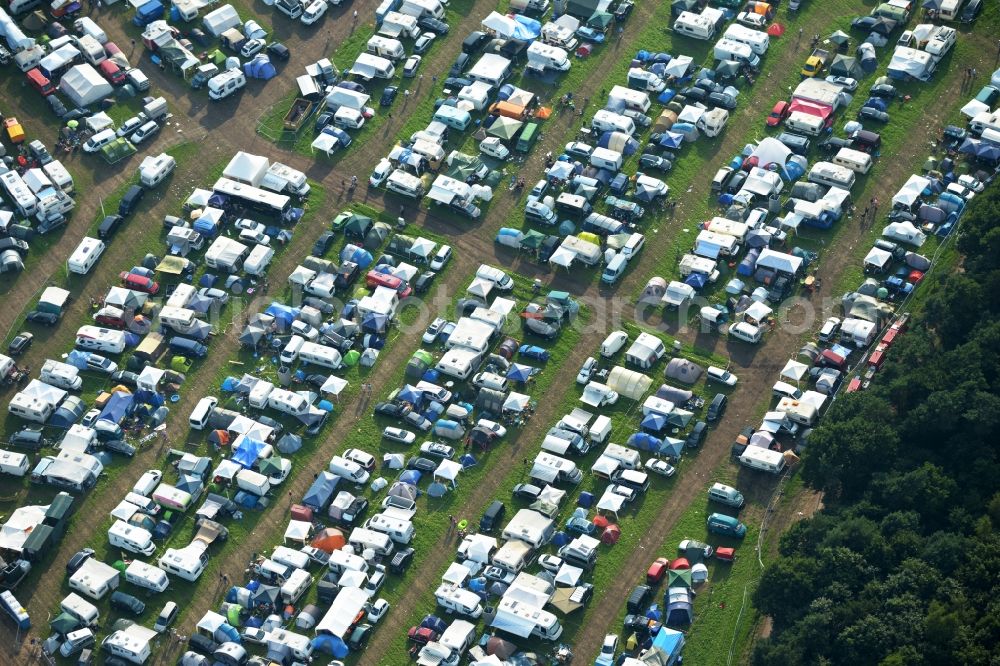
(329, 539)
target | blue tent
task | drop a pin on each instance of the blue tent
(282, 313)
(206, 226)
(410, 394)
(654, 422)
(332, 645)
(566, 227)
(321, 491)
(78, 359)
(467, 461)
(669, 643)
(358, 255)
(696, 280)
(585, 499)
(375, 322)
(644, 442)
(560, 539)
(437, 490)
(520, 373)
(629, 147)
(229, 384)
(680, 606)
(118, 406)
(665, 96)
(247, 452)
(259, 68)
(478, 584)
(410, 476)
(671, 139)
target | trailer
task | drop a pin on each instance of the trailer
(297, 115)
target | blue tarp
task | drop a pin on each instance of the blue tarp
(321, 491)
(117, 407)
(229, 384)
(332, 645)
(671, 139)
(206, 226)
(410, 476)
(247, 452)
(467, 461)
(665, 96)
(527, 28)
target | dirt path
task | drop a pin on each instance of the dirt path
(757, 371)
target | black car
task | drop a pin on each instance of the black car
(424, 281)
(970, 11)
(323, 243)
(391, 409)
(527, 491)
(120, 446)
(722, 101)
(346, 274)
(353, 85)
(388, 96)
(796, 143)
(400, 562)
(492, 516)
(359, 637)
(868, 113)
(109, 225)
(323, 119)
(131, 200)
(833, 144)
(43, 318)
(425, 465)
(883, 90)
(736, 182)
(278, 50)
(56, 105)
(623, 9)
(272, 424)
(77, 560)
(20, 343)
(433, 24)
(717, 408)
(461, 62)
(779, 290)
(30, 438)
(457, 82)
(475, 41)
(125, 377)
(127, 602)
(655, 162)
(697, 435)
(636, 623)
(202, 644)
(637, 599)
(880, 25)
(694, 94)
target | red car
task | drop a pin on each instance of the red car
(114, 74)
(139, 283)
(778, 114)
(657, 570)
(376, 279)
(725, 554)
(422, 635)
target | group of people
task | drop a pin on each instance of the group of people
(867, 217)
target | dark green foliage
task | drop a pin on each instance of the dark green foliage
(902, 566)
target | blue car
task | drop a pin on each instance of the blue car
(533, 351)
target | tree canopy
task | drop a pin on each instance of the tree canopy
(902, 565)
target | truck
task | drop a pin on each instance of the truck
(297, 115)
(816, 62)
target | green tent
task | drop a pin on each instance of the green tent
(270, 466)
(679, 578)
(504, 128)
(351, 358)
(357, 225)
(120, 565)
(117, 150)
(217, 57)
(64, 623)
(424, 356)
(600, 21)
(532, 240)
(233, 614)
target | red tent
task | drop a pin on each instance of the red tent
(725, 554)
(680, 563)
(611, 534)
(601, 521)
(329, 539)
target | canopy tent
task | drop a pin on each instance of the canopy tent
(794, 370)
(448, 470)
(758, 312)
(839, 38)
(911, 191)
(611, 502)
(877, 259)
(298, 531)
(84, 86)
(564, 601)
(516, 402)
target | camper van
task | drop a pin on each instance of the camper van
(614, 269)
(726, 495)
(133, 539)
(181, 320)
(398, 529)
(291, 351)
(386, 47)
(188, 562)
(348, 470)
(755, 39)
(15, 464)
(458, 600)
(147, 576)
(608, 121)
(404, 183)
(549, 57)
(317, 354)
(62, 375)
(362, 538)
(855, 160)
(765, 460)
(831, 175)
(225, 84)
(695, 26)
(85, 255)
(81, 609)
(106, 340)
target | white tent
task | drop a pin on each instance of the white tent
(149, 378)
(628, 383)
(227, 469)
(98, 122)
(19, 526)
(568, 576)
(333, 385)
(448, 470)
(481, 288)
(456, 574)
(877, 258)
(690, 114)
(794, 370)
(758, 311)
(422, 247)
(480, 547)
(84, 86)
(298, 531)
(974, 107)
(610, 501)
(904, 232)
(516, 402)
(771, 151)
(910, 192)
(699, 573)
(246, 168)
(678, 66)
(394, 460)
(779, 261)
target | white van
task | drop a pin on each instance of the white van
(399, 530)
(147, 576)
(225, 84)
(496, 276)
(615, 269)
(202, 412)
(746, 332)
(85, 255)
(364, 538)
(855, 160)
(723, 494)
(292, 349)
(99, 140)
(608, 121)
(131, 538)
(832, 175)
(349, 470)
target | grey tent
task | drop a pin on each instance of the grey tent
(683, 370)
(678, 396)
(839, 38)
(489, 400)
(917, 261)
(679, 6)
(728, 69)
(437, 490)
(376, 235)
(289, 443)
(404, 490)
(843, 65)
(319, 493)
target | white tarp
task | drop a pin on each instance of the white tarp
(758, 311)
(19, 526)
(904, 232)
(84, 86)
(974, 107)
(333, 385)
(771, 151)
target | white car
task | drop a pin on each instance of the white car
(830, 329)
(970, 182)
(252, 47)
(845, 82)
(308, 332)
(410, 66)
(492, 426)
(399, 435)
(752, 19)
(551, 563)
(147, 130)
(586, 370)
(608, 649)
(493, 147)
(430, 336)
(254, 635)
(314, 12)
(131, 125)
(716, 374)
(441, 258)
(377, 610)
(661, 467)
(284, 469)
(366, 460)
(437, 450)
(381, 172)
(255, 235)
(613, 343)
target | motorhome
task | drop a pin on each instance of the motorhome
(60, 374)
(832, 175)
(695, 26)
(363, 538)
(146, 576)
(608, 121)
(627, 457)
(225, 84)
(155, 168)
(545, 56)
(368, 66)
(549, 469)
(855, 160)
(728, 49)
(757, 40)
(405, 183)
(386, 47)
(523, 619)
(81, 609)
(295, 586)
(133, 539)
(531, 527)
(188, 562)
(317, 354)
(398, 529)
(104, 340)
